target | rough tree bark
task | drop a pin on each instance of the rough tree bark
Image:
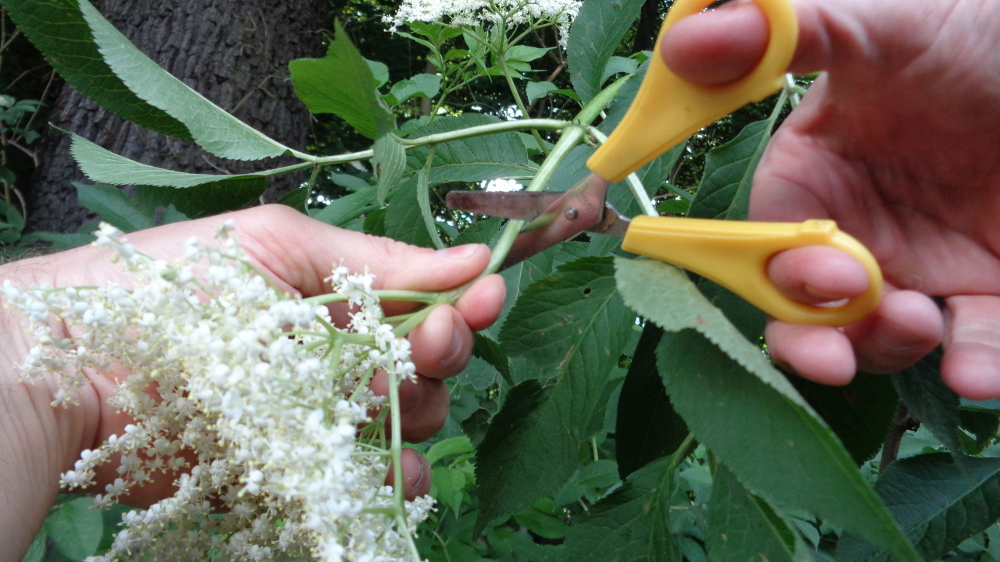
(234, 52)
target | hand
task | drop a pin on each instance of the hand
(893, 143)
(297, 253)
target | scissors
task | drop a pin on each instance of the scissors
(667, 110)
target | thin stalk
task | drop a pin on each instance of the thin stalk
(634, 184)
(413, 321)
(424, 199)
(570, 138)
(313, 176)
(519, 101)
(502, 127)
(682, 452)
(396, 448)
(795, 92)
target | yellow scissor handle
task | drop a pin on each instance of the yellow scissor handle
(735, 255)
(667, 110)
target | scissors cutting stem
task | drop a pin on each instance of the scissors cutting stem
(667, 109)
(734, 254)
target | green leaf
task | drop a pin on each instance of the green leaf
(76, 527)
(774, 444)
(618, 65)
(389, 162)
(536, 90)
(342, 83)
(596, 33)
(36, 552)
(632, 524)
(104, 166)
(297, 199)
(211, 127)
(454, 446)
(380, 72)
(347, 208)
(59, 240)
(423, 85)
(663, 294)
(349, 182)
(571, 328)
(542, 519)
(588, 481)
(725, 186)
(859, 413)
(482, 231)
(113, 206)
(937, 503)
(982, 425)
(743, 527)
(489, 351)
(480, 158)
(931, 401)
(202, 200)
(447, 487)
(525, 53)
(403, 219)
(647, 427)
(58, 29)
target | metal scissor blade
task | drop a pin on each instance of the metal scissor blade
(554, 216)
(520, 205)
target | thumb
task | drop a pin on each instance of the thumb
(719, 46)
(299, 253)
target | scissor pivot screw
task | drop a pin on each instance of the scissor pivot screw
(571, 214)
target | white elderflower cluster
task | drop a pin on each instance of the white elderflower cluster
(259, 403)
(479, 12)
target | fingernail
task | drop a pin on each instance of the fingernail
(458, 252)
(454, 346)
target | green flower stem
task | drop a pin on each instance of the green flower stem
(519, 101)
(413, 321)
(396, 448)
(311, 161)
(601, 101)
(383, 295)
(408, 296)
(638, 190)
(492, 128)
(570, 138)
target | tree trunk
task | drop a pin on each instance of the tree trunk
(233, 52)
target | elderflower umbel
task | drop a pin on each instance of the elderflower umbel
(267, 420)
(478, 12)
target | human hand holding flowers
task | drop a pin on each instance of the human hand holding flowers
(296, 253)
